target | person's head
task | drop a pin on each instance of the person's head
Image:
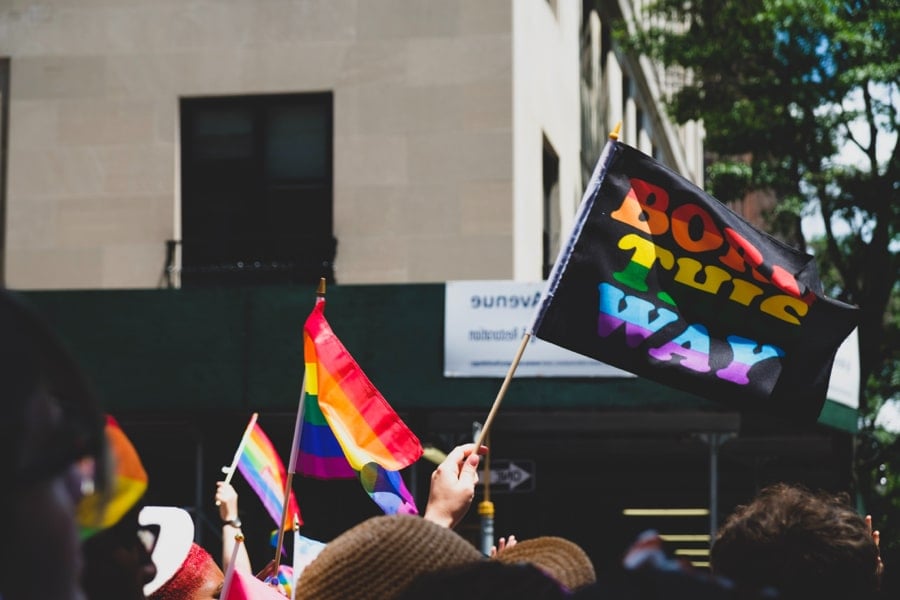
(563, 560)
(51, 435)
(118, 559)
(380, 557)
(805, 544)
(485, 580)
(199, 578)
(184, 570)
(648, 573)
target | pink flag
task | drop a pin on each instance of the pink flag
(248, 587)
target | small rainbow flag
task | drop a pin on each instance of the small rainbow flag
(284, 581)
(98, 511)
(264, 471)
(349, 429)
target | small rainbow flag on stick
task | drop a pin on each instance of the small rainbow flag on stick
(262, 468)
(349, 429)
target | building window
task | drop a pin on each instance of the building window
(605, 44)
(551, 228)
(257, 189)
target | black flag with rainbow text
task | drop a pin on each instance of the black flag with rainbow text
(661, 279)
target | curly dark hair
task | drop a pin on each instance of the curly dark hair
(806, 544)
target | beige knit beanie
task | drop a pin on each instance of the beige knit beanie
(380, 557)
(564, 561)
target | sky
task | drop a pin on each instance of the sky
(851, 155)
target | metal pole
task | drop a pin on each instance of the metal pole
(485, 507)
(198, 484)
(714, 441)
(486, 510)
(713, 486)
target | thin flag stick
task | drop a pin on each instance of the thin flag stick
(289, 480)
(229, 573)
(240, 450)
(295, 448)
(287, 485)
(294, 562)
(502, 392)
(298, 425)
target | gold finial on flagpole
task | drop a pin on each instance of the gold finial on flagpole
(320, 291)
(614, 134)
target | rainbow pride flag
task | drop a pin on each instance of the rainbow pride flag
(364, 424)
(264, 471)
(98, 510)
(387, 489)
(349, 429)
(320, 455)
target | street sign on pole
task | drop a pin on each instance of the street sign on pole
(509, 475)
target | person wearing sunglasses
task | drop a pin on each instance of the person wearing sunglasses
(51, 438)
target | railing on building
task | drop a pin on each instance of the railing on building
(207, 263)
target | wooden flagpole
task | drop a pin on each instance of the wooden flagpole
(502, 392)
(295, 449)
(298, 425)
(613, 135)
(289, 480)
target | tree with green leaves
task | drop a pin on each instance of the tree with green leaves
(784, 89)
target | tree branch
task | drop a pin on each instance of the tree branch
(831, 246)
(873, 130)
(853, 139)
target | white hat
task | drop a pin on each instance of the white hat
(176, 534)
